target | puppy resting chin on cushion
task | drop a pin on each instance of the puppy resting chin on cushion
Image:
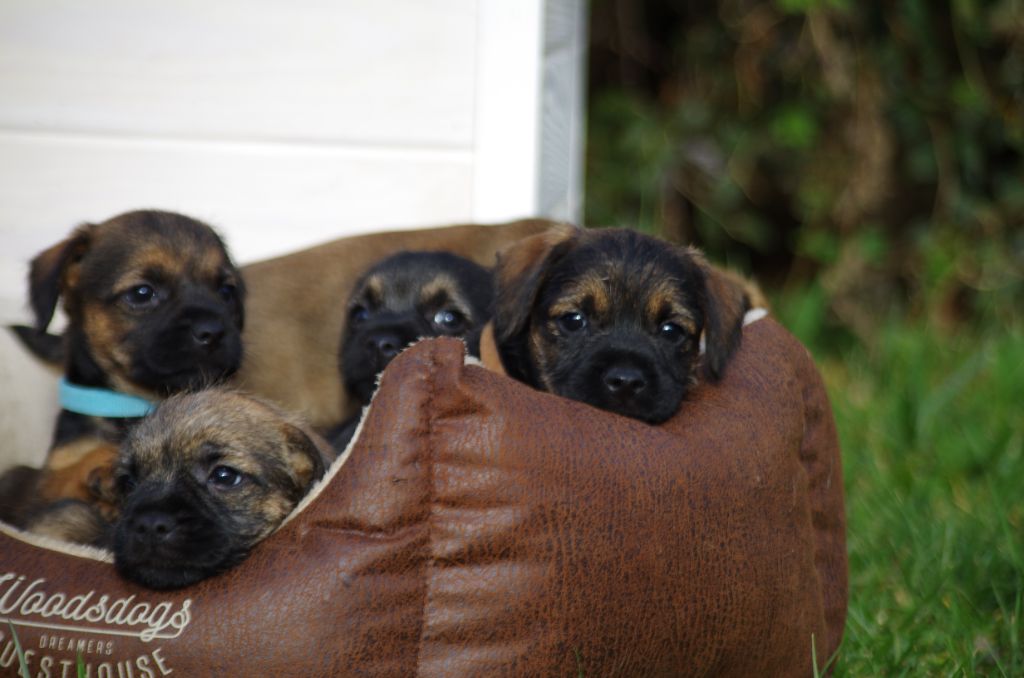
(615, 318)
(205, 478)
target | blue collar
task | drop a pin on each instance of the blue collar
(101, 402)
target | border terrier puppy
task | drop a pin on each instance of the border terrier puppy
(615, 319)
(205, 478)
(154, 306)
(403, 298)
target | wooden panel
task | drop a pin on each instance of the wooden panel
(528, 150)
(395, 72)
(265, 199)
(562, 110)
(508, 109)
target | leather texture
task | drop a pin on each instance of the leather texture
(481, 528)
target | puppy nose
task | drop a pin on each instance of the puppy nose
(207, 332)
(153, 525)
(387, 345)
(622, 380)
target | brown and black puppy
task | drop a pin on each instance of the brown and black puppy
(405, 297)
(614, 318)
(205, 478)
(402, 298)
(154, 306)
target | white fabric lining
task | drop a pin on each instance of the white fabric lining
(65, 547)
(332, 470)
(751, 316)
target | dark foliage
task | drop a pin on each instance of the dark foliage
(870, 153)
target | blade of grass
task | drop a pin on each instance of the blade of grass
(22, 664)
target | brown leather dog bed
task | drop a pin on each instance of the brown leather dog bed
(478, 527)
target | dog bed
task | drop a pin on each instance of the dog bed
(476, 527)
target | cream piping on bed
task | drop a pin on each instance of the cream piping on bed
(65, 547)
(751, 316)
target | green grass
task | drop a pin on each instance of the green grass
(22, 664)
(932, 431)
(23, 670)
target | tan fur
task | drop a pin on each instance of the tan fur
(295, 311)
(374, 289)
(73, 521)
(489, 356)
(105, 331)
(445, 285)
(524, 257)
(151, 258)
(82, 478)
(735, 293)
(591, 290)
(249, 433)
(234, 419)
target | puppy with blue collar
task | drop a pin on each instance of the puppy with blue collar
(154, 307)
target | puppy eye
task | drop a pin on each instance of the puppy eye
(140, 296)
(572, 322)
(227, 291)
(672, 332)
(225, 477)
(448, 319)
(358, 314)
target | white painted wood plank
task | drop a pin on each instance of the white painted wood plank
(265, 199)
(529, 109)
(362, 71)
(563, 116)
(507, 109)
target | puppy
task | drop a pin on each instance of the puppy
(154, 306)
(286, 339)
(203, 479)
(615, 319)
(402, 298)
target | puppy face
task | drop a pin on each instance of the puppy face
(405, 297)
(612, 318)
(203, 479)
(154, 303)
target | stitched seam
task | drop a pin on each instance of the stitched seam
(811, 461)
(427, 419)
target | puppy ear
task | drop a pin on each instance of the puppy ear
(50, 274)
(240, 293)
(728, 298)
(303, 455)
(519, 275)
(47, 347)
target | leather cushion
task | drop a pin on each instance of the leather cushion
(478, 527)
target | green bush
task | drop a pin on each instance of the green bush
(876, 149)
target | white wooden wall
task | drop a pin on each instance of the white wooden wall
(282, 124)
